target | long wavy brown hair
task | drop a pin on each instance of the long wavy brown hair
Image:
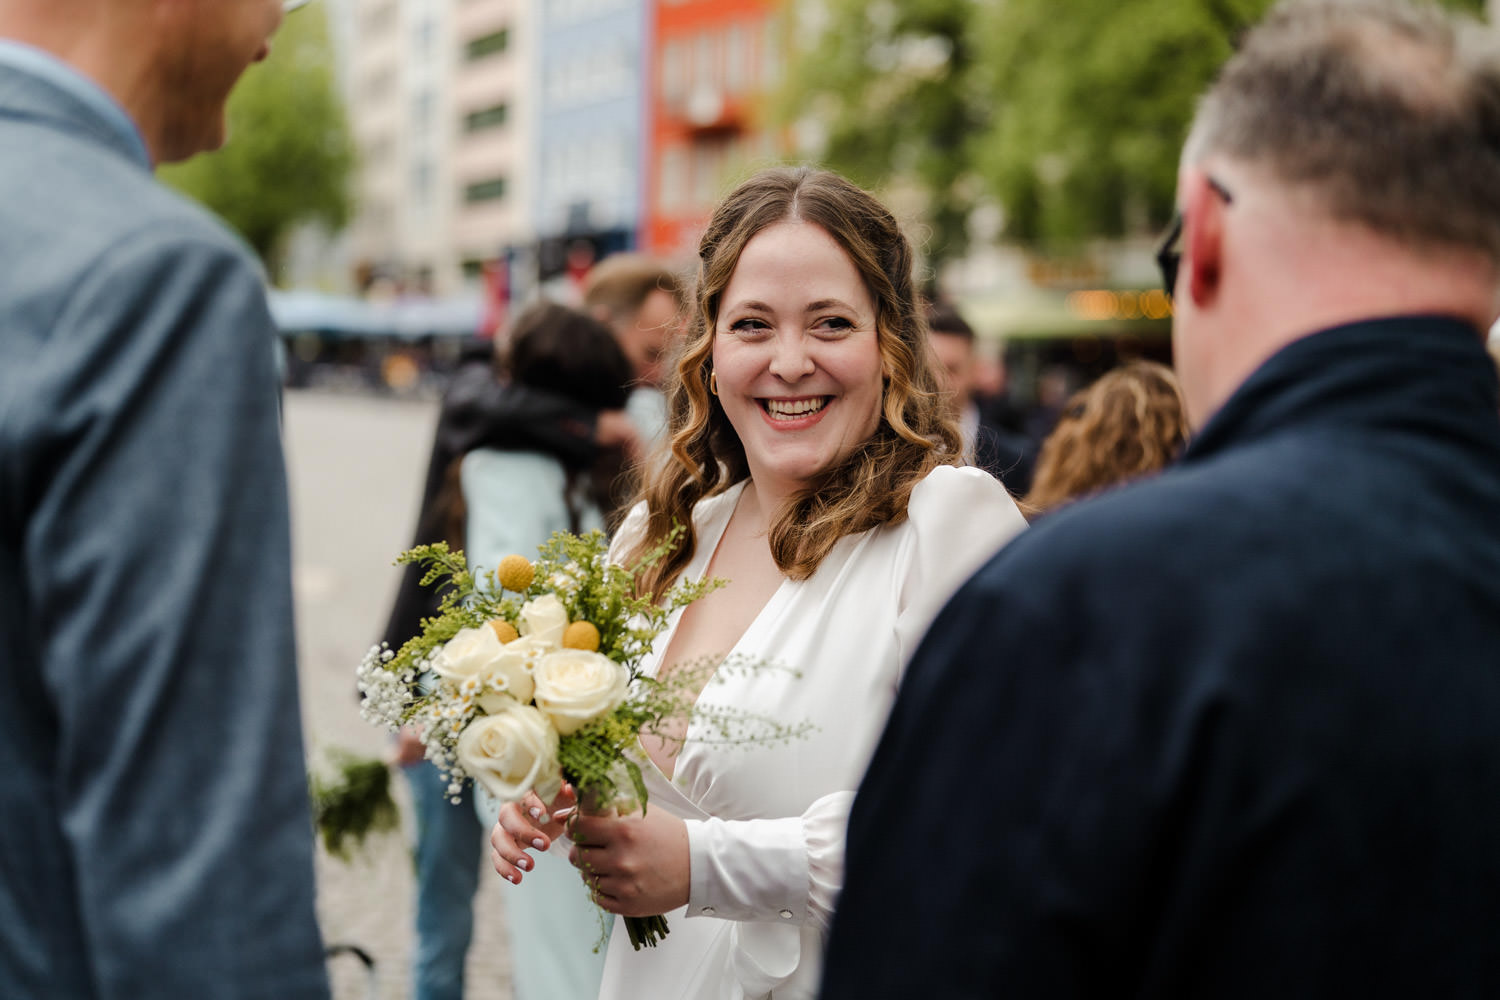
(871, 486)
(1127, 424)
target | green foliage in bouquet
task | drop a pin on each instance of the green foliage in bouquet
(353, 804)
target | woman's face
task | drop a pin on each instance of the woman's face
(795, 355)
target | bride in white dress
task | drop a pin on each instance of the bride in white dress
(816, 462)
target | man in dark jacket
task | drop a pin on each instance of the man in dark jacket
(1009, 456)
(1235, 732)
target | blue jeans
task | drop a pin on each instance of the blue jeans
(450, 843)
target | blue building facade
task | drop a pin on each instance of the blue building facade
(591, 72)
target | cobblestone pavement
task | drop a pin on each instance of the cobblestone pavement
(355, 466)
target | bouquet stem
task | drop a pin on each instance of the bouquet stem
(645, 932)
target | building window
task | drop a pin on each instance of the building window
(490, 190)
(425, 34)
(737, 59)
(674, 70)
(421, 182)
(673, 182)
(487, 45)
(477, 121)
(421, 111)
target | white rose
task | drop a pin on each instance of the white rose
(544, 619)
(495, 667)
(511, 753)
(575, 687)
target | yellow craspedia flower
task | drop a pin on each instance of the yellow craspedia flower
(581, 635)
(515, 573)
(504, 630)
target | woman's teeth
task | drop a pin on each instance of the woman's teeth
(787, 409)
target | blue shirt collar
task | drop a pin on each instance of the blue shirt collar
(54, 71)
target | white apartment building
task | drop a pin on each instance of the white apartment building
(437, 109)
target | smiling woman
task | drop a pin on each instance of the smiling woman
(813, 468)
(796, 358)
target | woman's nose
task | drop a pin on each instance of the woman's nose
(792, 360)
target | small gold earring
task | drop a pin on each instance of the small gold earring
(713, 383)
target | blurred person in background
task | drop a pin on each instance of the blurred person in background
(1004, 454)
(479, 410)
(1128, 424)
(639, 299)
(643, 301)
(512, 502)
(156, 841)
(1234, 731)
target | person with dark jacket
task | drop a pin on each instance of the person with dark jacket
(479, 410)
(1009, 456)
(1234, 732)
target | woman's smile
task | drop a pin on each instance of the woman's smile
(795, 413)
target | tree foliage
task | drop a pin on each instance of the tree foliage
(890, 84)
(289, 156)
(1070, 116)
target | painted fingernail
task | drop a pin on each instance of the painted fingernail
(536, 813)
(513, 879)
(524, 864)
(539, 844)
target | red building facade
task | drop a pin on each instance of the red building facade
(713, 64)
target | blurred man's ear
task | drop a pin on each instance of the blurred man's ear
(1203, 236)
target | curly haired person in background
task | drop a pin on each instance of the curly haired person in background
(1128, 424)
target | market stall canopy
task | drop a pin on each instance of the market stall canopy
(346, 316)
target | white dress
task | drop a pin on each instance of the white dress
(766, 824)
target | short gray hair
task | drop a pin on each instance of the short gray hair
(1388, 112)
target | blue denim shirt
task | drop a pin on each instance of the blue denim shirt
(156, 839)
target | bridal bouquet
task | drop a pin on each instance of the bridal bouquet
(529, 676)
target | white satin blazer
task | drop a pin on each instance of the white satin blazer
(766, 824)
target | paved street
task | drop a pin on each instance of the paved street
(355, 466)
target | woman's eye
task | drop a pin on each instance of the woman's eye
(749, 325)
(834, 324)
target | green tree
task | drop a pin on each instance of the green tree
(1070, 115)
(289, 156)
(890, 85)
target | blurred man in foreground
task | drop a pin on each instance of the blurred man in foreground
(156, 840)
(1235, 732)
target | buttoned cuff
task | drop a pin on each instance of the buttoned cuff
(748, 869)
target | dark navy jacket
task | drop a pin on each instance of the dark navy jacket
(1233, 732)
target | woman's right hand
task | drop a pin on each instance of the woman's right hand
(530, 824)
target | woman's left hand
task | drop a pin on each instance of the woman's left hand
(637, 866)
